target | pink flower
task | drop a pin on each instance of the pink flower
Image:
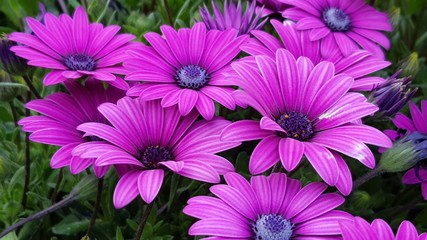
(274, 207)
(145, 139)
(184, 68)
(74, 48)
(62, 113)
(359, 64)
(346, 25)
(360, 229)
(306, 110)
(418, 174)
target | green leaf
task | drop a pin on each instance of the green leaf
(70, 225)
(119, 235)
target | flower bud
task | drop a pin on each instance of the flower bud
(405, 153)
(393, 94)
(9, 62)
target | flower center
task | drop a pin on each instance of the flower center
(153, 155)
(336, 20)
(296, 125)
(80, 62)
(93, 139)
(272, 227)
(191, 76)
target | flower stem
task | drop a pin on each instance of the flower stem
(366, 177)
(27, 158)
(58, 183)
(143, 221)
(66, 201)
(168, 12)
(97, 204)
(33, 89)
(15, 120)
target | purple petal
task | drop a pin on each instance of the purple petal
(126, 189)
(291, 152)
(149, 183)
(406, 231)
(323, 162)
(265, 155)
(244, 130)
(221, 227)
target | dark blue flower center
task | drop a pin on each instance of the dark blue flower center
(93, 139)
(80, 62)
(296, 125)
(336, 20)
(153, 155)
(272, 227)
(191, 76)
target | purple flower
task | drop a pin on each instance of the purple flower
(359, 229)
(346, 25)
(306, 110)
(233, 17)
(274, 207)
(418, 174)
(185, 68)
(146, 139)
(357, 65)
(61, 113)
(74, 48)
(393, 94)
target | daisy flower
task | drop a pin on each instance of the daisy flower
(346, 25)
(357, 65)
(360, 229)
(233, 17)
(306, 110)
(274, 207)
(185, 68)
(74, 48)
(61, 113)
(406, 125)
(149, 139)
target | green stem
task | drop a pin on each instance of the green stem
(168, 13)
(27, 158)
(97, 204)
(143, 221)
(15, 121)
(366, 177)
(58, 183)
(33, 89)
(66, 201)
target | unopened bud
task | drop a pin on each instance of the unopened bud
(393, 94)
(9, 62)
(405, 153)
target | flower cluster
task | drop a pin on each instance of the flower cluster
(150, 110)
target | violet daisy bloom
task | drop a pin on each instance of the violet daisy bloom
(357, 65)
(346, 25)
(360, 229)
(185, 68)
(307, 110)
(74, 48)
(148, 139)
(233, 17)
(406, 125)
(274, 207)
(61, 113)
